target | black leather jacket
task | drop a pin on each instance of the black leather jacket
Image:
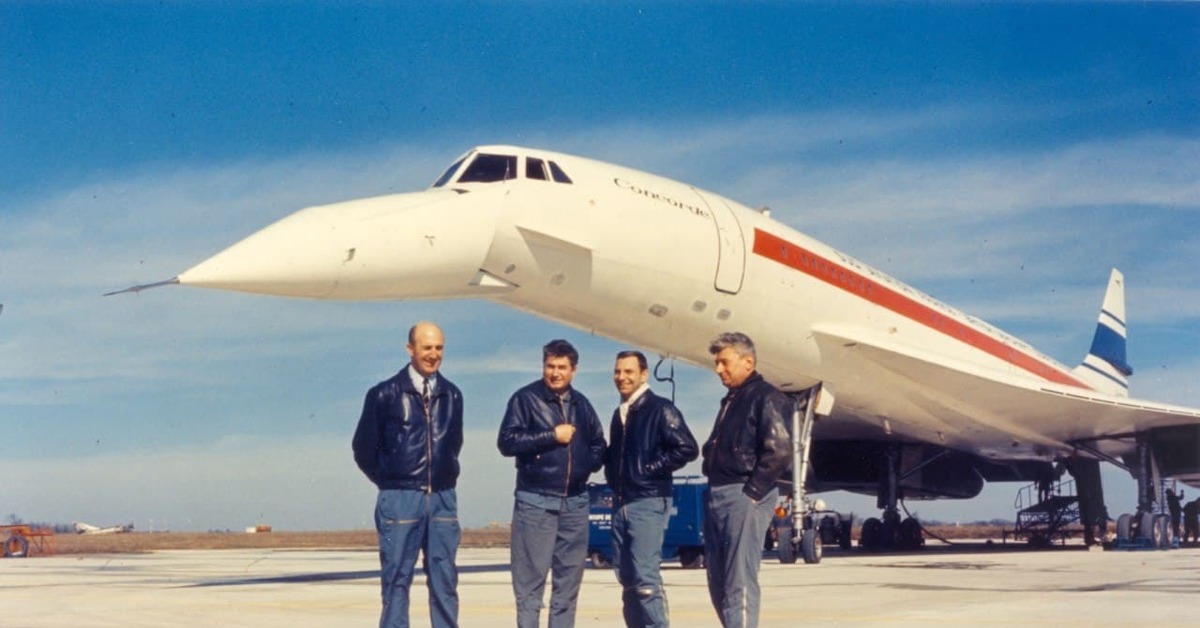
(643, 452)
(527, 433)
(398, 447)
(750, 442)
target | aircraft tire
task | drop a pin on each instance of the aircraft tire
(1162, 528)
(16, 547)
(910, 537)
(871, 535)
(1149, 529)
(1124, 524)
(810, 546)
(786, 547)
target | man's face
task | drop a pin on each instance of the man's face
(629, 376)
(425, 350)
(557, 372)
(733, 369)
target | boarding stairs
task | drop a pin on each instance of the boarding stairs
(1044, 517)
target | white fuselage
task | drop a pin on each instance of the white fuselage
(657, 264)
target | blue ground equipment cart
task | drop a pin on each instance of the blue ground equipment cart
(684, 538)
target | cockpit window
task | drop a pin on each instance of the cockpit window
(448, 173)
(488, 168)
(535, 168)
(559, 175)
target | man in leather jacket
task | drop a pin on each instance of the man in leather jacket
(748, 450)
(648, 441)
(407, 443)
(554, 434)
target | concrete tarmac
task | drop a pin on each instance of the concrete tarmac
(961, 586)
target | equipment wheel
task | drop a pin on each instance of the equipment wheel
(871, 535)
(599, 561)
(844, 535)
(691, 557)
(810, 546)
(1124, 527)
(786, 546)
(16, 546)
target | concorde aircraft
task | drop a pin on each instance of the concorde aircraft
(910, 398)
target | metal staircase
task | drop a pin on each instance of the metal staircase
(1045, 518)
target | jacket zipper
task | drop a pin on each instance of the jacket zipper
(428, 442)
(562, 408)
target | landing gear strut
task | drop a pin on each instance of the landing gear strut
(890, 531)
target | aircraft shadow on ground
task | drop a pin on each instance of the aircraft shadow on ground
(332, 576)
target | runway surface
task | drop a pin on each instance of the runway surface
(269, 588)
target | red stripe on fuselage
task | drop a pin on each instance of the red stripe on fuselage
(838, 275)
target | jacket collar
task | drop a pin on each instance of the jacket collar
(754, 378)
(549, 395)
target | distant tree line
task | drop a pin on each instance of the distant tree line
(59, 528)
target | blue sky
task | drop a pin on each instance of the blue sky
(1001, 156)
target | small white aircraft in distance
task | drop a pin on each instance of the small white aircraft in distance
(84, 528)
(911, 398)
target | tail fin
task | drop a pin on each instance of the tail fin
(1104, 367)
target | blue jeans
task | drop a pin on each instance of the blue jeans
(414, 521)
(637, 538)
(734, 529)
(548, 534)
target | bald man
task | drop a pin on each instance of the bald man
(407, 443)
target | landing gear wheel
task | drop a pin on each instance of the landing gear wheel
(910, 535)
(786, 545)
(810, 546)
(599, 561)
(1124, 527)
(1162, 526)
(1149, 530)
(871, 535)
(691, 557)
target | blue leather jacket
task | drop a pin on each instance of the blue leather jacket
(398, 447)
(643, 452)
(527, 433)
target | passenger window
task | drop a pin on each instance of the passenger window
(558, 174)
(489, 168)
(535, 168)
(448, 173)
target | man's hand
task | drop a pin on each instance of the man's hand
(563, 433)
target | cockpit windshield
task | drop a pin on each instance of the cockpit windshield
(489, 168)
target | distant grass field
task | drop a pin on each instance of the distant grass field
(137, 542)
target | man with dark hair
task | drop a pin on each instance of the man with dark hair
(554, 434)
(648, 441)
(748, 450)
(407, 443)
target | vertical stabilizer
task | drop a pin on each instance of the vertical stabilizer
(1105, 367)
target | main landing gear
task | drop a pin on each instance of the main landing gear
(890, 531)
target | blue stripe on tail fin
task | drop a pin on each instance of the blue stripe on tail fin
(1105, 366)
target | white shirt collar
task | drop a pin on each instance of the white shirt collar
(623, 408)
(418, 379)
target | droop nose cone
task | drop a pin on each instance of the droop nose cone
(421, 245)
(292, 257)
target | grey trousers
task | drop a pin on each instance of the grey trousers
(548, 540)
(734, 529)
(637, 538)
